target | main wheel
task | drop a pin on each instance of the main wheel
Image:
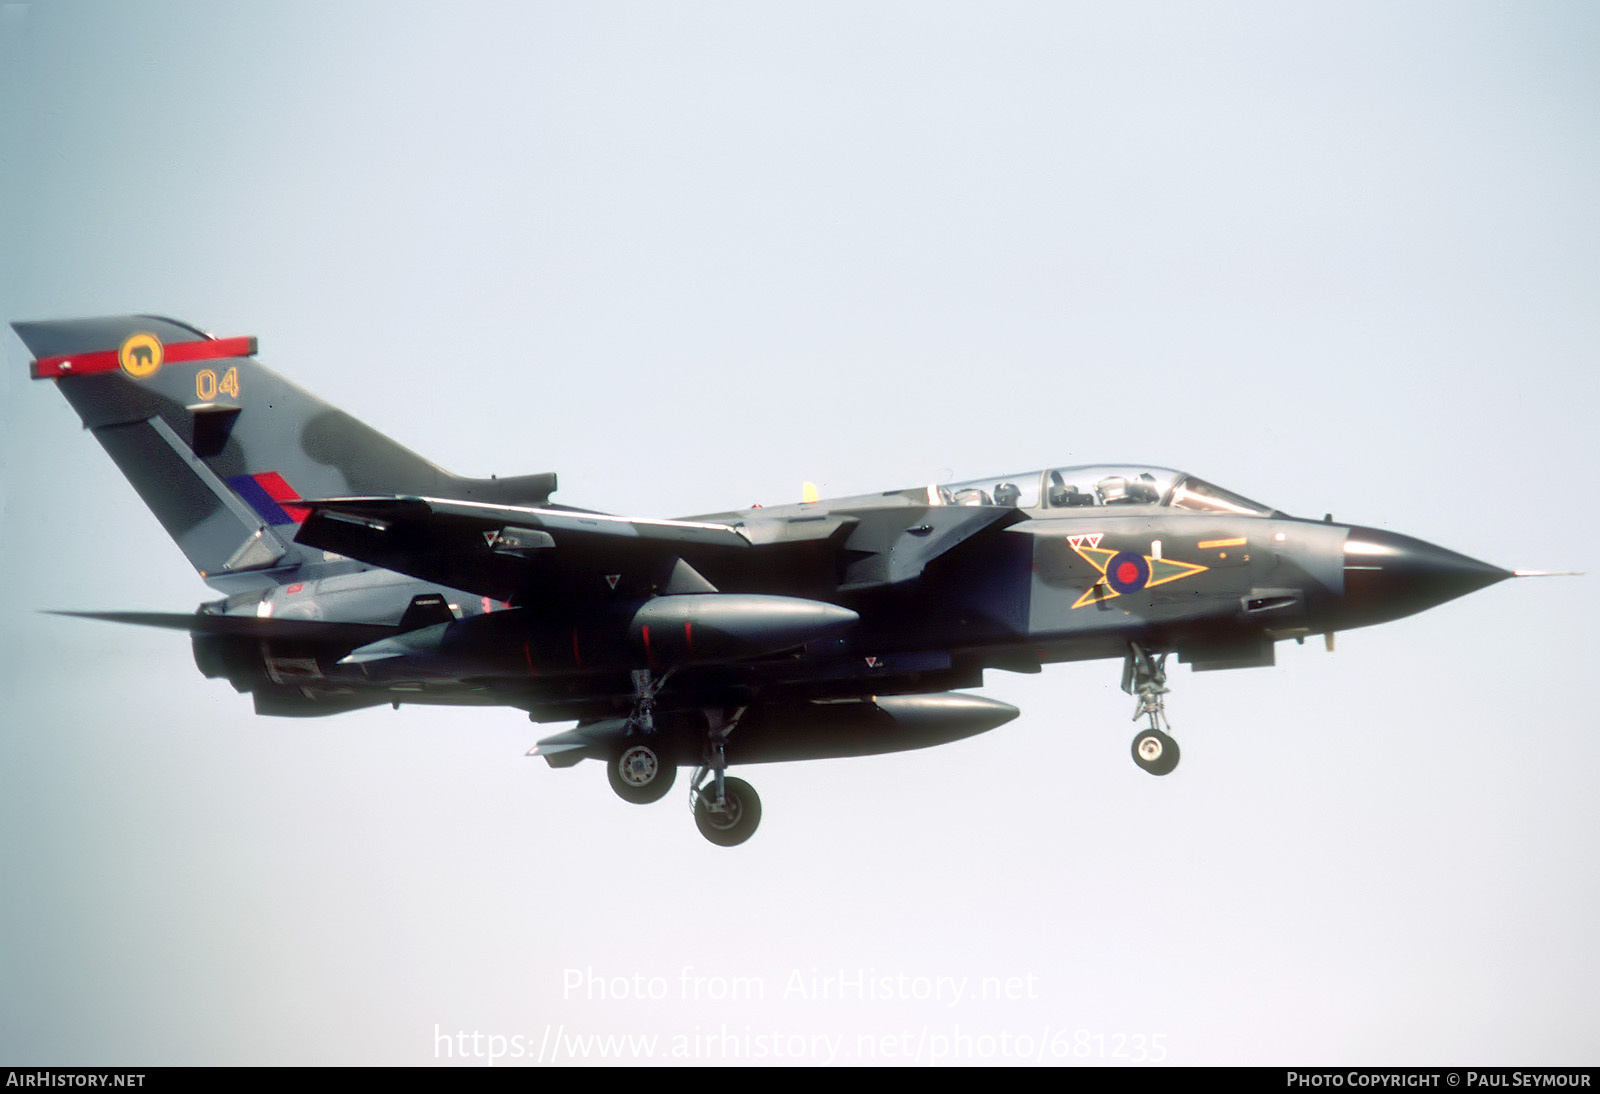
(640, 774)
(736, 821)
(1154, 751)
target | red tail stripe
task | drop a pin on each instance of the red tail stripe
(109, 360)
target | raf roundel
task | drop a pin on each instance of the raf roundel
(140, 355)
(1127, 572)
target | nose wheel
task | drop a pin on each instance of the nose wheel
(1146, 677)
(1155, 752)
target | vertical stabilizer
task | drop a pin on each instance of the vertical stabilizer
(220, 447)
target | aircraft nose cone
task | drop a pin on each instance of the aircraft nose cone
(1387, 576)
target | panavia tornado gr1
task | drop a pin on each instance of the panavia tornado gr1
(355, 573)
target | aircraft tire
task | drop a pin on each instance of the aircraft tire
(640, 774)
(739, 823)
(1155, 752)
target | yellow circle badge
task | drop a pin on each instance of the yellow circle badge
(140, 355)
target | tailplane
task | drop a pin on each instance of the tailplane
(221, 448)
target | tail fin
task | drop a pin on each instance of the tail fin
(220, 447)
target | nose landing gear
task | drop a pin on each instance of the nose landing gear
(1146, 677)
(1156, 752)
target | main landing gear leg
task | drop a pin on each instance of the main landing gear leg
(640, 770)
(1146, 677)
(726, 810)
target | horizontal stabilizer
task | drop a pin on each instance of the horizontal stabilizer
(247, 626)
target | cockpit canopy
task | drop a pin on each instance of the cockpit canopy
(1097, 485)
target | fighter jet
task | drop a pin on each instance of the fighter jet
(354, 573)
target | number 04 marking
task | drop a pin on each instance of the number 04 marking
(206, 384)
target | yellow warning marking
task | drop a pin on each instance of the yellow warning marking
(1205, 544)
(140, 355)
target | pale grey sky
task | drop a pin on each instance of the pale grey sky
(1339, 257)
